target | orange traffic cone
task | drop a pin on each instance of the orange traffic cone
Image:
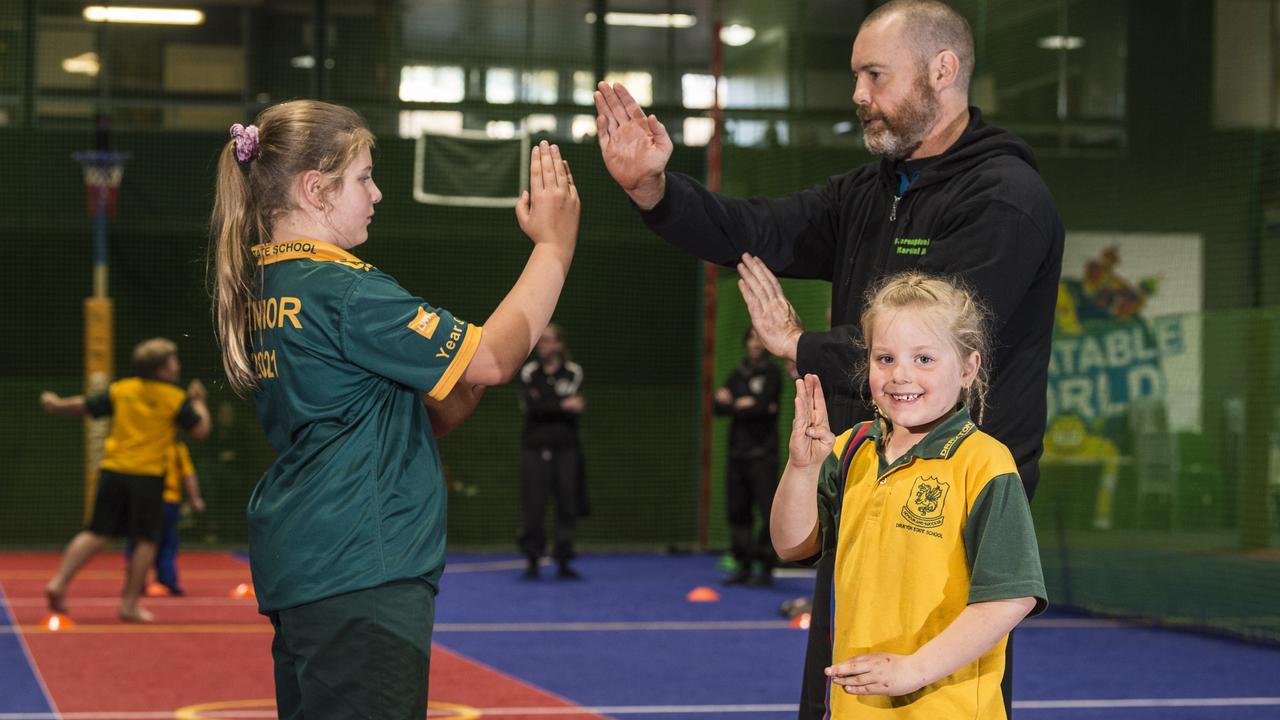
(243, 591)
(58, 621)
(702, 593)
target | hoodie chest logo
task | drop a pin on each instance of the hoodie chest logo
(911, 246)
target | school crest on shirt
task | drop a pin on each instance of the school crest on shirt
(925, 503)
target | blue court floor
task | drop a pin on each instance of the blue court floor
(625, 642)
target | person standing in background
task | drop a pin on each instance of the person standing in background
(179, 477)
(551, 452)
(750, 396)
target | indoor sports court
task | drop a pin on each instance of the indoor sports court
(1154, 127)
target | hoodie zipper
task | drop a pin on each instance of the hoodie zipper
(904, 183)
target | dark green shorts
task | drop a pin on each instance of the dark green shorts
(364, 654)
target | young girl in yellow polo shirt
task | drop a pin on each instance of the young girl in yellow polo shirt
(935, 554)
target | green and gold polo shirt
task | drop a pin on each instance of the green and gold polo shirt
(343, 354)
(946, 525)
(145, 415)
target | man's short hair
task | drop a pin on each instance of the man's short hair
(932, 26)
(151, 355)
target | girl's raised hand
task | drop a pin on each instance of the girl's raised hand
(548, 211)
(811, 438)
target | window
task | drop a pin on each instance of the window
(430, 83)
(541, 86)
(639, 84)
(500, 86)
(698, 130)
(698, 91)
(414, 122)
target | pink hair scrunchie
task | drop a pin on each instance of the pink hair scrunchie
(246, 141)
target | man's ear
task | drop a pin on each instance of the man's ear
(944, 70)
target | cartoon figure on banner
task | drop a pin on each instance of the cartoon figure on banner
(1105, 293)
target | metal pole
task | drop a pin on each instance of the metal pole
(30, 19)
(320, 45)
(600, 49)
(710, 285)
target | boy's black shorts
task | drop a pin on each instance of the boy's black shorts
(128, 506)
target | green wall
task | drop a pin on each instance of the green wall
(629, 310)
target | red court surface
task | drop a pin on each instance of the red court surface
(207, 655)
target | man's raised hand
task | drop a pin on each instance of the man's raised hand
(635, 146)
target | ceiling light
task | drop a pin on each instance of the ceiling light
(150, 15)
(737, 35)
(649, 20)
(1060, 42)
(82, 64)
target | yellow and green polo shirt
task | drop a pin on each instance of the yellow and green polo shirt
(944, 526)
(343, 354)
(180, 466)
(145, 415)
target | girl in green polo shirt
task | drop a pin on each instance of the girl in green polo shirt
(935, 555)
(354, 377)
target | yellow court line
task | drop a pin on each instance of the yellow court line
(143, 629)
(159, 601)
(18, 574)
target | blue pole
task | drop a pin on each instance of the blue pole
(100, 244)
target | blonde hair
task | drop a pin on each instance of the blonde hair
(293, 137)
(151, 355)
(951, 309)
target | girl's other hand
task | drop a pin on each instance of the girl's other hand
(811, 438)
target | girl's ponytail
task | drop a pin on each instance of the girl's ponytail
(231, 266)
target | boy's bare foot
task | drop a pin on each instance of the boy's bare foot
(136, 615)
(56, 599)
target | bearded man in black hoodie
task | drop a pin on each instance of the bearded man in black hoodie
(950, 195)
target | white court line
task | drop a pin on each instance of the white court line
(471, 627)
(1080, 623)
(598, 626)
(643, 626)
(497, 565)
(676, 709)
(551, 711)
(470, 567)
(1145, 703)
(617, 626)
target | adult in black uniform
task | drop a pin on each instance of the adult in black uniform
(950, 195)
(750, 396)
(551, 454)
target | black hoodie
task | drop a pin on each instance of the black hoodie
(979, 211)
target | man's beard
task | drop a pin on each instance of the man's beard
(902, 132)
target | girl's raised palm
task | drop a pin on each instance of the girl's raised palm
(550, 209)
(811, 438)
